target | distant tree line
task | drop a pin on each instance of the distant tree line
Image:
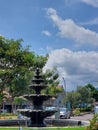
(83, 96)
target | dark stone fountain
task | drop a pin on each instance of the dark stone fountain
(37, 114)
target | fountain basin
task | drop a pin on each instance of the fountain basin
(37, 116)
(50, 122)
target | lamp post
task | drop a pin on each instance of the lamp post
(4, 105)
(64, 86)
(0, 80)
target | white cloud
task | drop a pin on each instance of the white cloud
(68, 29)
(47, 33)
(91, 22)
(93, 3)
(78, 68)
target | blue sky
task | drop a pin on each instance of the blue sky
(29, 20)
(66, 29)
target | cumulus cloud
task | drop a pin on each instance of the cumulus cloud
(78, 68)
(69, 29)
(93, 3)
(47, 33)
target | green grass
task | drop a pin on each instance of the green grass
(59, 128)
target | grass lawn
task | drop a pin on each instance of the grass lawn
(59, 128)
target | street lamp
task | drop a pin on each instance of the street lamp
(64, 86)
(0, 80)
(4, 105)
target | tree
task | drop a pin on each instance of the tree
(16, 64)
(82, 96)
(93, 91)
(51, 79)
(40, 61)
(18, 101)
(73, 98)
(85, 95)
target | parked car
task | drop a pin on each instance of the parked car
(64, 113)
(50, 108)
(56, 115)
(20, 116)
(96, 109)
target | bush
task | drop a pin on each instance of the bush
(93, 123)
(8, 114)
(86, 109)
(76, 111)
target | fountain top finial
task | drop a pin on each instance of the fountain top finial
(37, 71)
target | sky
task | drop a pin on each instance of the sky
(65, 29)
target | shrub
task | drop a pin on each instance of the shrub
(76, 111)
(8, 114)
(86, 109)
(93, 123)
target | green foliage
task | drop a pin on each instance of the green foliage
(76, 111)
(73, 97)
(93, 91)
(8, 114)
(19, 100)
(2, 96)
(16, 64)
(40, 61)
(93, 123)
(52, 81)
(86, 109)
(84, 94)
(13, 60)
(81, 96)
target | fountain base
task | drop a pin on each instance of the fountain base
(36, 121)
(37, 125)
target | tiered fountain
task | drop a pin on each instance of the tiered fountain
(37, 114)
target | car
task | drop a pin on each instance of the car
(96, 109)
(50, 108)
(56, 115)
(64, 113)
(20, 116)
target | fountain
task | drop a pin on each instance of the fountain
(37, 114)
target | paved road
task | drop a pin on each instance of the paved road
(86, 117)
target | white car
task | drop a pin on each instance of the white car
(64, 113)
(56, 115)
(96, 109)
